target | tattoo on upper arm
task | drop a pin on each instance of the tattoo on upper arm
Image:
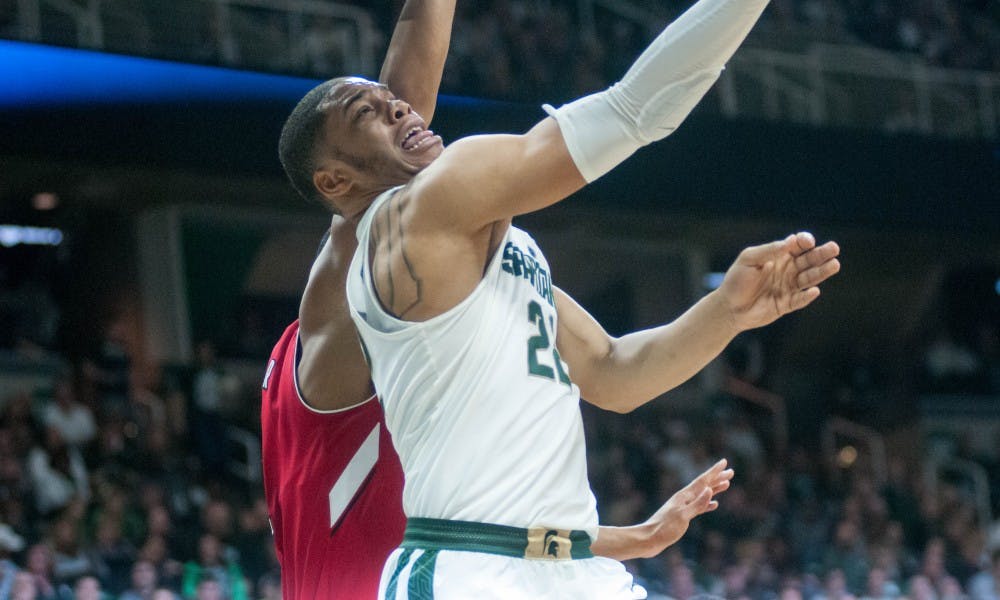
(396, 281)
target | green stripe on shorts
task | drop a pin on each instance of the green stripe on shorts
(390, 590)
(421, 584)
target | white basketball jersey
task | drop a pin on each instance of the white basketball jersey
(481, 408)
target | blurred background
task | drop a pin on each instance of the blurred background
(151, 253)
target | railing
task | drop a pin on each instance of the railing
(769, 401)
(838, 428)
(972, 473)
(322, 38)
(818, 84)
(828, 84)
(833, 85)
(302, 36)
(244, 461)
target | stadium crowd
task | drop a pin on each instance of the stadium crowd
(530, 51)
(113, 484)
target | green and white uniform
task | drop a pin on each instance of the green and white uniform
(486, 421)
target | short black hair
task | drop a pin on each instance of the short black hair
(297, 145)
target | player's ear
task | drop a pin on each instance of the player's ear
(333, 181)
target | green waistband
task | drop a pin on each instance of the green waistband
(541, 543)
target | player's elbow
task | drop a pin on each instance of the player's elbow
(603, 385)
(608, 396)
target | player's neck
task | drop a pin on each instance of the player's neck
(353, 207)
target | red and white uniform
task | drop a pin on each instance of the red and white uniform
(333, 483)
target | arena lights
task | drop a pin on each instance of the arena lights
(45, 201)
(46, 76)
(847, 456)
(13, 235)
(39, 76)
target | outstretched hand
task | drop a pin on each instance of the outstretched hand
(672, 520)
(772, 280)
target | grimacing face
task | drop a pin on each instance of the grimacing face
(378, 135)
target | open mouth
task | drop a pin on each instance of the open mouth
(415, 138)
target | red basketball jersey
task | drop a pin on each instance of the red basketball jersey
(334, 487)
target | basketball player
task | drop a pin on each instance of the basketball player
(479, 361)
(332, 478)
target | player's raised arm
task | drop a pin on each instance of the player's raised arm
(518, 174)
(764, 283)
(415, 59)
(332, 371)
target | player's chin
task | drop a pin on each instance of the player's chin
(420, 158)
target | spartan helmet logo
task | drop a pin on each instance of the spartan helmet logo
(548, 544)
(551, 544)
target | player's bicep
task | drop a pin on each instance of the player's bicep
(483, 179)
(584, 345)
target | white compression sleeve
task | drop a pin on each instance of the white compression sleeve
(660, 89)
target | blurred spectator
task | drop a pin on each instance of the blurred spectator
(144, 581)
(69, 561)
(112, 554)
(880, 587)
(951, 366)
(20, 429)
(9, 542)
(269, 587)
(682, 583)
(57, 472)
(38, 564)
(985, 585)
(87, 588)
(921, 588)
(835, 587)
(252, 540)
(73, 420)
(212, 571)
(26, 588)
(169, 571)
(208, 427)
(209, 588)
(932, 565)
(329, 46)
(217, 519)
(847, 554)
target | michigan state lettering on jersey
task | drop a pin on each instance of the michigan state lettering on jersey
(521, 264)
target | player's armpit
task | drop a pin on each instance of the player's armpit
(585, 347)
(332, 373)
(479, 180)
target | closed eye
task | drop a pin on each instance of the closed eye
(362, 112)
